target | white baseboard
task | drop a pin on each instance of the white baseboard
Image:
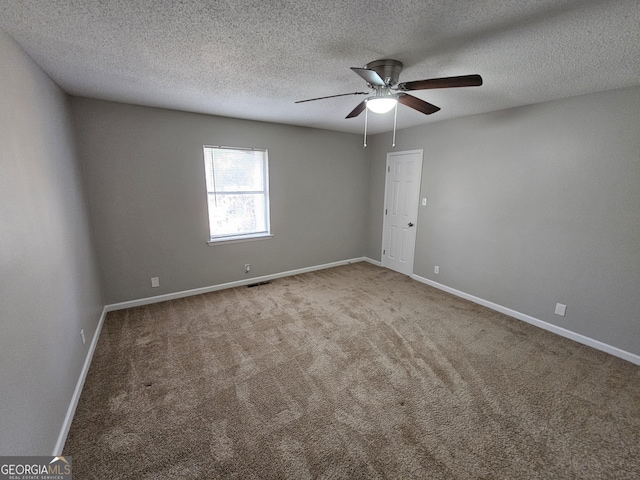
(630, 357)
(223, 286)
(372, 261)
(66, 425)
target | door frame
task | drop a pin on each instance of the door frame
(384, 206)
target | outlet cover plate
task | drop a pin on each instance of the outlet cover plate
(561, 309)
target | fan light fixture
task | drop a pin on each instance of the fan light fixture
(381, 104)
(382, 79)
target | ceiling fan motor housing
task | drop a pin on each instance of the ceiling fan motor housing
(389, 70)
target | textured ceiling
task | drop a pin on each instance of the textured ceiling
(253, 58)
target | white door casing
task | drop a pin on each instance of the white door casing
(401, 198)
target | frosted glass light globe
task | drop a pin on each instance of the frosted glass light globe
(381, 105)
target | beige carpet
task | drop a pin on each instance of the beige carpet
(350, 372)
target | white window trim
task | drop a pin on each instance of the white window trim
(250, 237)
(247, 237)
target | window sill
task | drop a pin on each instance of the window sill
(239, 239)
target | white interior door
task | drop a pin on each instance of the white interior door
(401, 197)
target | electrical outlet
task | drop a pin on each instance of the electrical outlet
(155, 282)
(247, 268)
(84, 340)
(561, 309)
(436, 269)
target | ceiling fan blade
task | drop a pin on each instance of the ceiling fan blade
(332, 96)
(417, 104)
(358, 110)
(371, 77)
(445, 82)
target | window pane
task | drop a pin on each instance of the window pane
(237, 191)
(237, 214)
(238, 170)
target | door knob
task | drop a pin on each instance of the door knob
(410, 224)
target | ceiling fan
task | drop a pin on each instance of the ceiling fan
(385, 92)
(382, 78)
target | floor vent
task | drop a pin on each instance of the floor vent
(258, 284)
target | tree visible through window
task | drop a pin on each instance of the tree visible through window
(237, 191)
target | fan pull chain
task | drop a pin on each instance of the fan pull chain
(395, 117)
(366, 117)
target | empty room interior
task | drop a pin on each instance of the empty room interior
(219, 259)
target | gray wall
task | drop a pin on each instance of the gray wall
(533, 206)
(49, 286)
(145, 176)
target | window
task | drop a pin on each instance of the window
(237, 193)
